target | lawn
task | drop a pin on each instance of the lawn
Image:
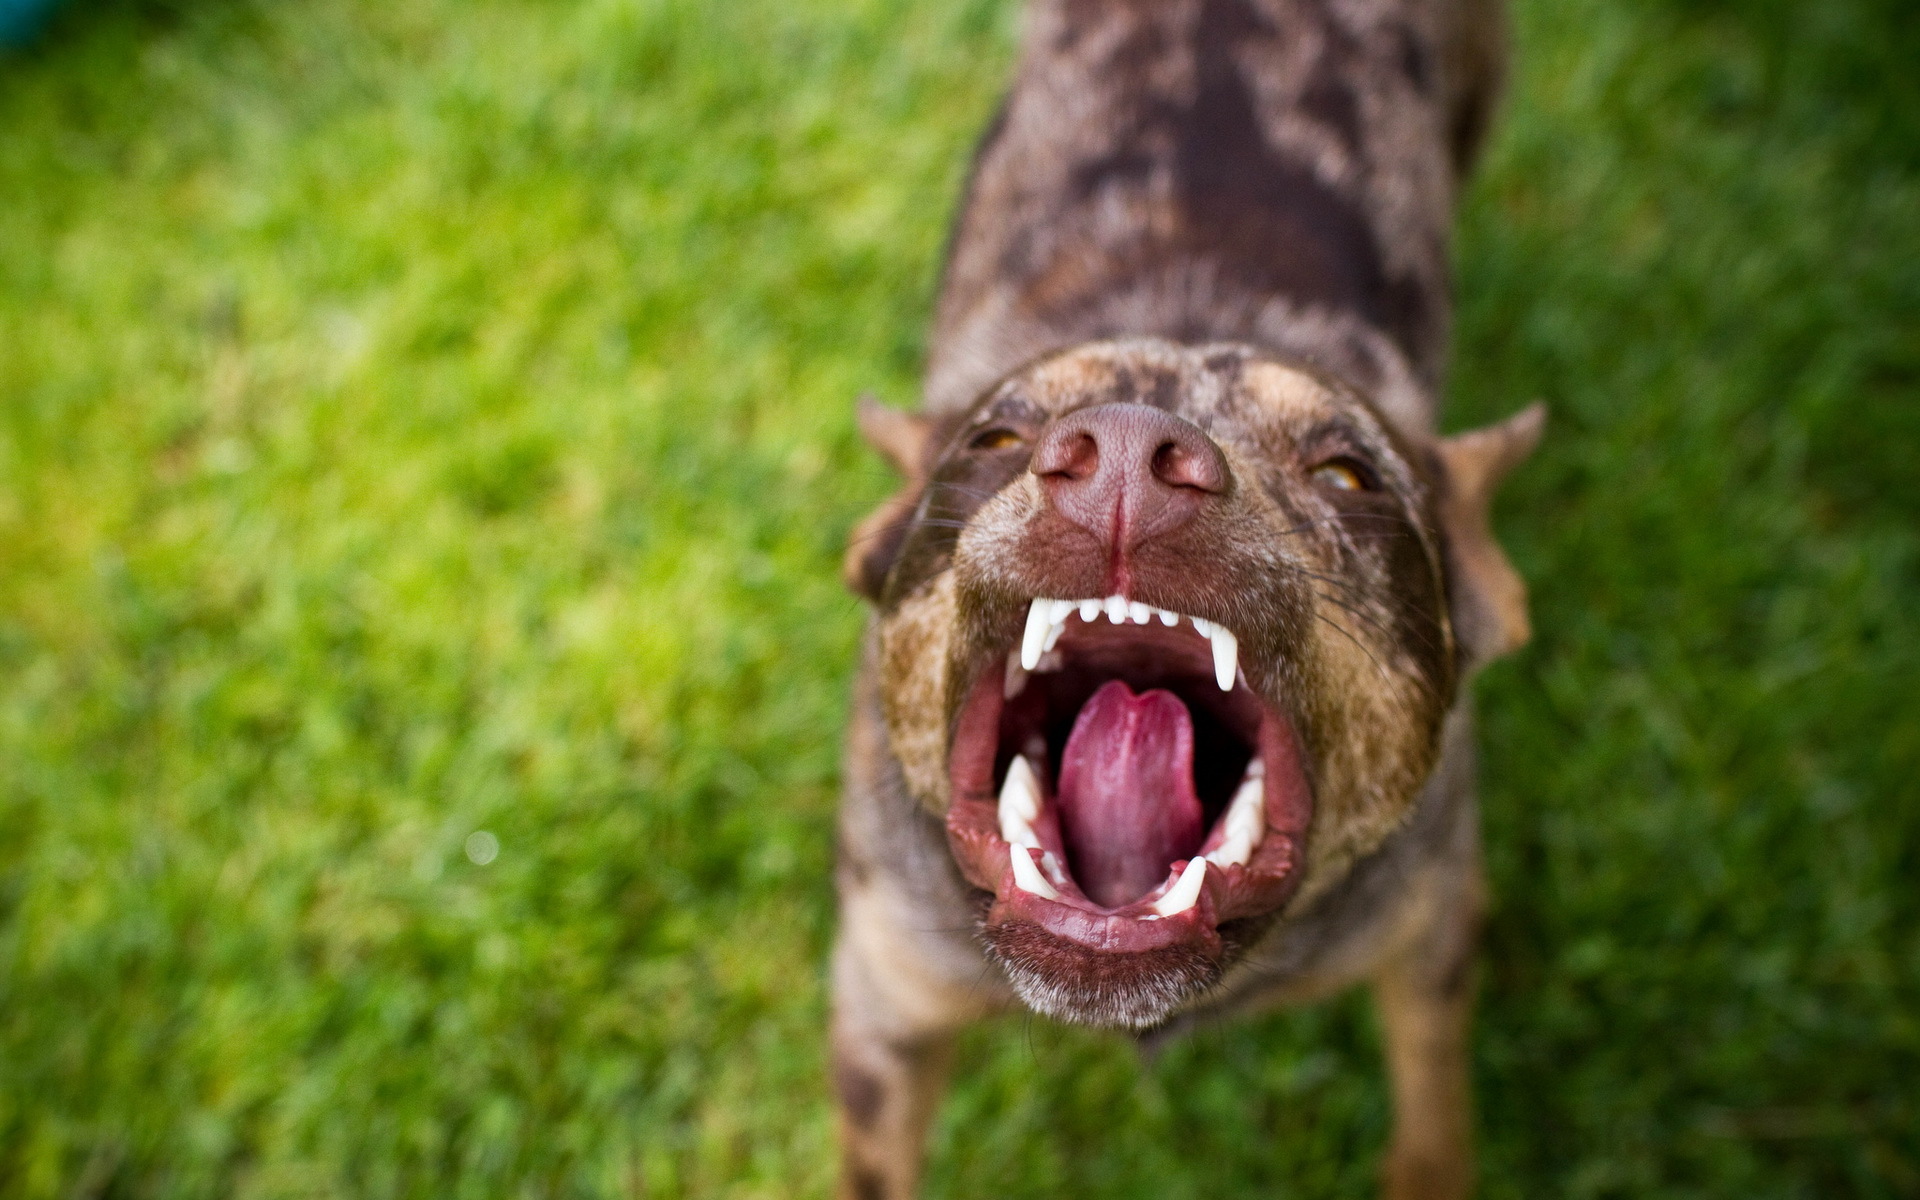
(425, 451)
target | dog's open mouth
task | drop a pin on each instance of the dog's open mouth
(1117, 782)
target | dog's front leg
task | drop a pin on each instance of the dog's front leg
(887, 1093)
(895, 1017)
(1424, 998)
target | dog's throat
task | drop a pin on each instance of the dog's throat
(1127, 803)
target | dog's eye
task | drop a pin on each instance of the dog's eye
(1343, 475)
(996, 439)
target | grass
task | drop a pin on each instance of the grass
(420, 418)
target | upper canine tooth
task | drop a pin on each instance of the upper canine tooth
(1034, 641)
(1185, 891)
(1028, 877)
(1117, 609)
(1089, 609)
(1226, 657)
(1019, 802)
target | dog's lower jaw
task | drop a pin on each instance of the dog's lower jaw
(1068, 982)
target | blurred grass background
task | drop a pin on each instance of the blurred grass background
(420, 418)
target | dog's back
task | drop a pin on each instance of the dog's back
(1275, 172)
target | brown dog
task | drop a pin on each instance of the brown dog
(1162, 713)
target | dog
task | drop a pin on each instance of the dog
(1162, 712)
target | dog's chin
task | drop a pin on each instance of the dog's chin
(1122, 801)
(1067, 981)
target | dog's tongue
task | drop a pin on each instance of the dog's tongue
(1126, 799)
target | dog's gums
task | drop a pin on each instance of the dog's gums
(1110, 790)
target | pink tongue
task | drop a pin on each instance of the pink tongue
(1127, 805)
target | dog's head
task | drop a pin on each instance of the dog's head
(1167, 634)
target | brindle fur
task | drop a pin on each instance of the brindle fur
(1236, 210)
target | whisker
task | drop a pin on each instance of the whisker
(1401, 608)
(1348, 634)
(962, 489)
(1419, 681)
(907, 525)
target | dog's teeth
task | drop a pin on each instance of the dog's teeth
(1061, 610)
(1138, 613)
(1019, 802)
(1015, 832)
(1185, 891)
(1039, 621)
(1117, 609)
(1089, 610)
(1246, 819)
(1204, 626)
(1169, 619)
(1016, 681)
(1028, 878)
(1226, 656)
(1234, 852)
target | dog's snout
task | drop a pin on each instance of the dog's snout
(1128, 472)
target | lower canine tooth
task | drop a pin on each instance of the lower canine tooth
(1185, 891)
(1028, 878)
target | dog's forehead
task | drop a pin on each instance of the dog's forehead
(1200, 383)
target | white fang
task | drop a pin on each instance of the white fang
(1028, 878)
(1019, 804)
(1039, 624)
(1226, 656)
(1185, 891)
(1246, 820)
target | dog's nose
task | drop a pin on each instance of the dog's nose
(1128, 473)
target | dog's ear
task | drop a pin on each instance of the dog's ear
(1489, 599)
(903, 439)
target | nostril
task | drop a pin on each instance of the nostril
(1074, 456)
(1181, 466)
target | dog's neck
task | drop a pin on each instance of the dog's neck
(1274, 172)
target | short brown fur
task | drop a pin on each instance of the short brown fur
(1235, 211)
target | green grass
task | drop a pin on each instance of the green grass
(419, 418)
